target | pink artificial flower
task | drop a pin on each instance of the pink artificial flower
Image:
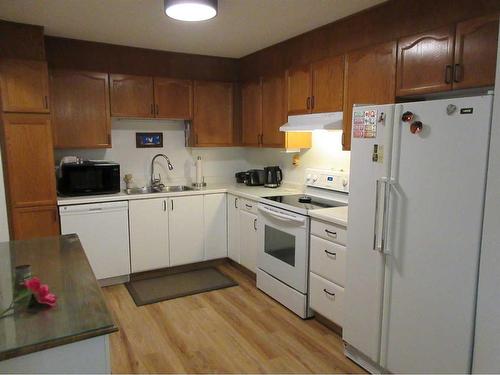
(48, 299)
(41, 291)
(33, 284)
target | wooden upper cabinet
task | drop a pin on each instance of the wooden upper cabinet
(425, 62)
(29, 160)
(476, 44)
(34, 222)
(316, 88)
(370, 79)
(251, 112)
(80, 109)
(213, 114)
(131, 96)
(299, 87)
(24, 86)
(173, 98)
(327, 85)
(273, 111)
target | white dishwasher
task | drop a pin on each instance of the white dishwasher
(103, 232)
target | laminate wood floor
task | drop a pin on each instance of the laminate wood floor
(233, 330)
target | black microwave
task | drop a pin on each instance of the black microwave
(88, 178)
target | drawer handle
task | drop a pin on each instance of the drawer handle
(329, 293)
(330, 233)
(334, 255)
(248, 206)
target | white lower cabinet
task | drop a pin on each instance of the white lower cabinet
(215, 228)
(328, 270)
(328, 260)
(186, 231)
(326, 298)
(233, 228)
(248, 240)
(149, 245)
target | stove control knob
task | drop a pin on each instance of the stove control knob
(315, 178)
(308, 177)
(344, 182)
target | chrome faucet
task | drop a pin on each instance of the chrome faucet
(156, 182)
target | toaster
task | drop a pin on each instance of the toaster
(241, 177)
(255, 177)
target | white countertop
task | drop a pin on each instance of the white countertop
(336, 215)
(241, 190)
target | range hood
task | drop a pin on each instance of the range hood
(316, 121)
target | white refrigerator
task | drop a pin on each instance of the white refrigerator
(416, 200)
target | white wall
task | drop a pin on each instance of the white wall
(220, 164)
(487, 338)
(326, 153)
(4, 226)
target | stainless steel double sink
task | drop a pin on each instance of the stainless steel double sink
(163, 189)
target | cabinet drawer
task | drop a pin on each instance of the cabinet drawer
(330, 232)
(328, 260)
(247, 205)
(327, 299)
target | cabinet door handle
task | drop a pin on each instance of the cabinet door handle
(330, 233)
(109, 139)
(457, 73)
(448, 72)
(164, 205)
(343, 139)
(157, 109)
(46, 101)
(235, 202)
(308, 102)
(172, 204)
(329, 293)
(248, 206)
(312, 102)
(258, 139)
(330, 253)
(255, 224)
(55, 215)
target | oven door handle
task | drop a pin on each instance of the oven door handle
(280, 216)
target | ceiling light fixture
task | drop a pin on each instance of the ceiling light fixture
(191, 10)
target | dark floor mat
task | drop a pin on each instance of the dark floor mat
(176, 285)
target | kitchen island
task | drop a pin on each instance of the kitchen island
(71, 337)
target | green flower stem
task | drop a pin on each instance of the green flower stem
(23, 295)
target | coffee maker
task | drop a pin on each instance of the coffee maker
(272, 177)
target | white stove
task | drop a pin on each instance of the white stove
(283, 230)
(323, 188)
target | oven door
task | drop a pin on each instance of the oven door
(284, 246)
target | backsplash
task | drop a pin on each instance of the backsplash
(220, 164)
(326, 153)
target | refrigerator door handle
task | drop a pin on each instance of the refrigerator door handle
(385, 216)
(375, 225)
(385, 207)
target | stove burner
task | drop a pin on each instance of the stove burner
(305, 199)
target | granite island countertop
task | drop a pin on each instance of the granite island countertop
(81, 312)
